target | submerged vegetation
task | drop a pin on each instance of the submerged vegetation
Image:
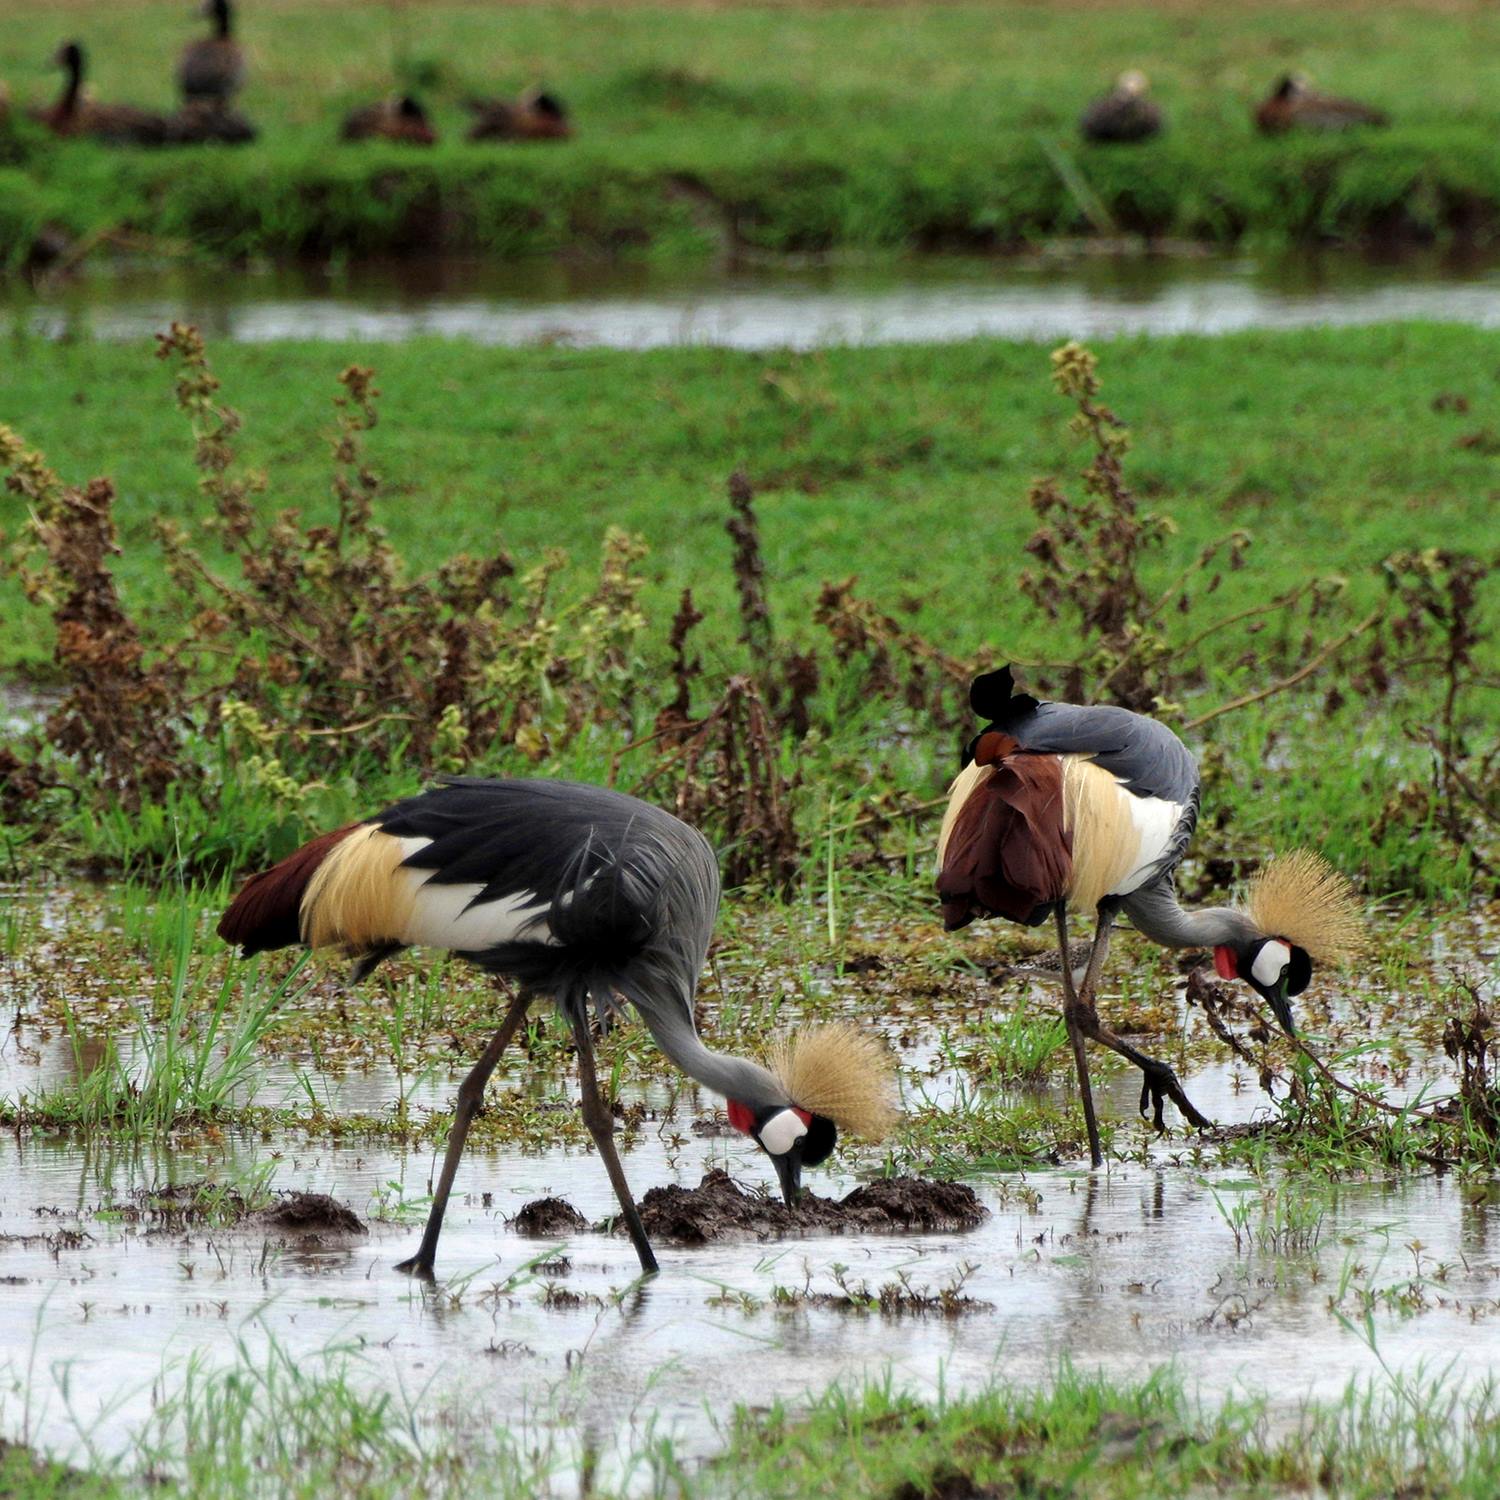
(769, 129)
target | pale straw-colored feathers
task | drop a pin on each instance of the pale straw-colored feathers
(841, 1072)
(1300, 897)
(1096, 815)
(354, 900)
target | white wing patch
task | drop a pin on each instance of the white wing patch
(442, 917)
(1155, 819)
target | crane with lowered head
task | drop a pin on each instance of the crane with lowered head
(580, 895)
(1061, 805)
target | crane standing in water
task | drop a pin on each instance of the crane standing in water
(1059, 804)
(582, 895)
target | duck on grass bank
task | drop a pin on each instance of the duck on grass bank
(535, 116)
(1124, 115)
(74, 114)
(211, 69)
(1293, 105)
(401, 119)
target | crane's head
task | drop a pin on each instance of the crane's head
(1300, 909)
(835, 1077)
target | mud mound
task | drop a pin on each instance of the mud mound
(308, 1213)
(548, 1216)
(915, 1203)
(717, 1209)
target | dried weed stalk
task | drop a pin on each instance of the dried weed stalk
(1089, 560)
(122, 708)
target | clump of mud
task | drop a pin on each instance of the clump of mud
(548, 1216)
(309, 1214)
(718, 1209)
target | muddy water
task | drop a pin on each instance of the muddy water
(640, 307)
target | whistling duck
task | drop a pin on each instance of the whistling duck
(114, 124)
(1123, 114)
(1292, 105)
(211, 69)
(400, 119)
(535, 116)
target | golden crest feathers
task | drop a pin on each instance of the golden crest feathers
(841, 1072)
(1301, 897)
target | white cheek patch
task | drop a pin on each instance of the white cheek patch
(1269, 962)
(781, 1132)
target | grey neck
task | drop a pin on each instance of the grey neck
(1156, 913)
(732, 1077)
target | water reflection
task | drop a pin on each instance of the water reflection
(648, 306)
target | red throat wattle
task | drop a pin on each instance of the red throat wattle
(1225, 963)
(740, 1117)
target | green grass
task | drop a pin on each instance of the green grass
(1324, 445)
(1329, 448)
(803, 127)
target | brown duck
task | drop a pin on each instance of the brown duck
(400, 119)
(74, 114)
(1292, 105)
(535, 116)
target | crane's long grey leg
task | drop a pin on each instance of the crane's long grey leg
(601, 1124)
(1073, 1018)
(1160, 1082)
(470, 1097)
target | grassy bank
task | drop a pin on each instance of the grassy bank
(775, 129)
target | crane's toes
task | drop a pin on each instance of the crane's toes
(1160, 1084)
(416, 1266)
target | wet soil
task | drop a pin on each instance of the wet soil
(718, 1210)
(308, 1214)
(548, 1216)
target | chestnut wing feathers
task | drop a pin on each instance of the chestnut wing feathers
(1008, 853)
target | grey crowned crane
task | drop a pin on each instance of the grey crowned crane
(1059, 805)
(582, 896)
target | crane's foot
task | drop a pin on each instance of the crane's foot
(418, 1267)
(1160, 1084)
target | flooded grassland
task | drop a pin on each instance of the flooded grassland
(164, 1105)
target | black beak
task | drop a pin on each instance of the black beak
(1281, 1007)
(789, 1170)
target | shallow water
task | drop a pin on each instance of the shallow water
(649, 306)
(1121, 1271)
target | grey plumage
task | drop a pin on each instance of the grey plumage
(1147, 758)
(625, 896)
